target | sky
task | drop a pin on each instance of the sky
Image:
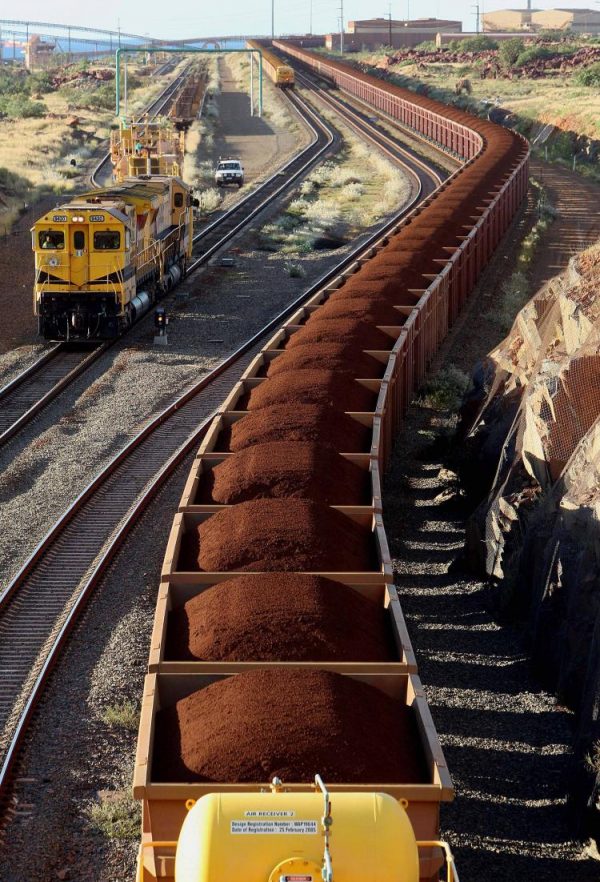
(193, 18)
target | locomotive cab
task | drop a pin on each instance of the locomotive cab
(285, 76)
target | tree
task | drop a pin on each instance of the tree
(509, 51)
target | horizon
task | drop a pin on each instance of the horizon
(293, 17)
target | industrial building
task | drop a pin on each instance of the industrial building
(375, 32)
(580, 21)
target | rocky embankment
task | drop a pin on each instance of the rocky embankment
(533, 449)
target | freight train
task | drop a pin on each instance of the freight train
(284, 734)
(102, 259)
(277, 70)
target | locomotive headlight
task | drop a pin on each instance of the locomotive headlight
(78, 219)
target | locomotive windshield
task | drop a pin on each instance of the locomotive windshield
(107, 240)
(53, 240)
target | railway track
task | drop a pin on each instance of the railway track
(41, 605)
(29, 393)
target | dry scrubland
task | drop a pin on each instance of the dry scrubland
(554, 84)
(352, 191)
(556, 100)
(36, 153)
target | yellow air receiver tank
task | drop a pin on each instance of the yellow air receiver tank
(279, 837)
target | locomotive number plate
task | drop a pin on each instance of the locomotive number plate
(60, 218)
(96, 218)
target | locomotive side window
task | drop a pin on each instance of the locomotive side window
(178, 200)
(79, 240)
(52, 239)
(107, 240)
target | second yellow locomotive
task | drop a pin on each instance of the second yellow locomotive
(277, 70)
(104, 258)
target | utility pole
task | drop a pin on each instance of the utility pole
(390, 25)
(341, 27)
(272, 19)
(310, 29)
(476, 8)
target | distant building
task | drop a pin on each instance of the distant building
(507, 20)
(581, 21)
(38, 54)
(375, 32)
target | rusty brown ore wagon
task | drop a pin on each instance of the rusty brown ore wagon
(280, 522)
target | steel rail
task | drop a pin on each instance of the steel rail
(256, 201)
(30, 392)
(366, 128)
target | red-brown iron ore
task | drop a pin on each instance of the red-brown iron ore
(288, 723)
(282, 534)
(280, 617)
(283, 469)
(298, 422)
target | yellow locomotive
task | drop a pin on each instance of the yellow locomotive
(277, 70)
(103, 259)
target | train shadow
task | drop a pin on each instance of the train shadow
(507, 742)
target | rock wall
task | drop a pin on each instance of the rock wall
(535, 436)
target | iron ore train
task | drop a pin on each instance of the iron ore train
(277, 70)
(284, 734)
(102, 259)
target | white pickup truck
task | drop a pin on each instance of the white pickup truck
(229, 171)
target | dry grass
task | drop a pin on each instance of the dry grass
(341, 197)
(41, 150)
(556, 99)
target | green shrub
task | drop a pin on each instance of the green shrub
(444, 391)
(509, 51)
(19, 106)
(294, 270)
(95, 97)
(476, 44)
(533, 54)
(515, 293)
(426, 46)
(125, 715)
(116, 817)
(588, 76)
(40, 82)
